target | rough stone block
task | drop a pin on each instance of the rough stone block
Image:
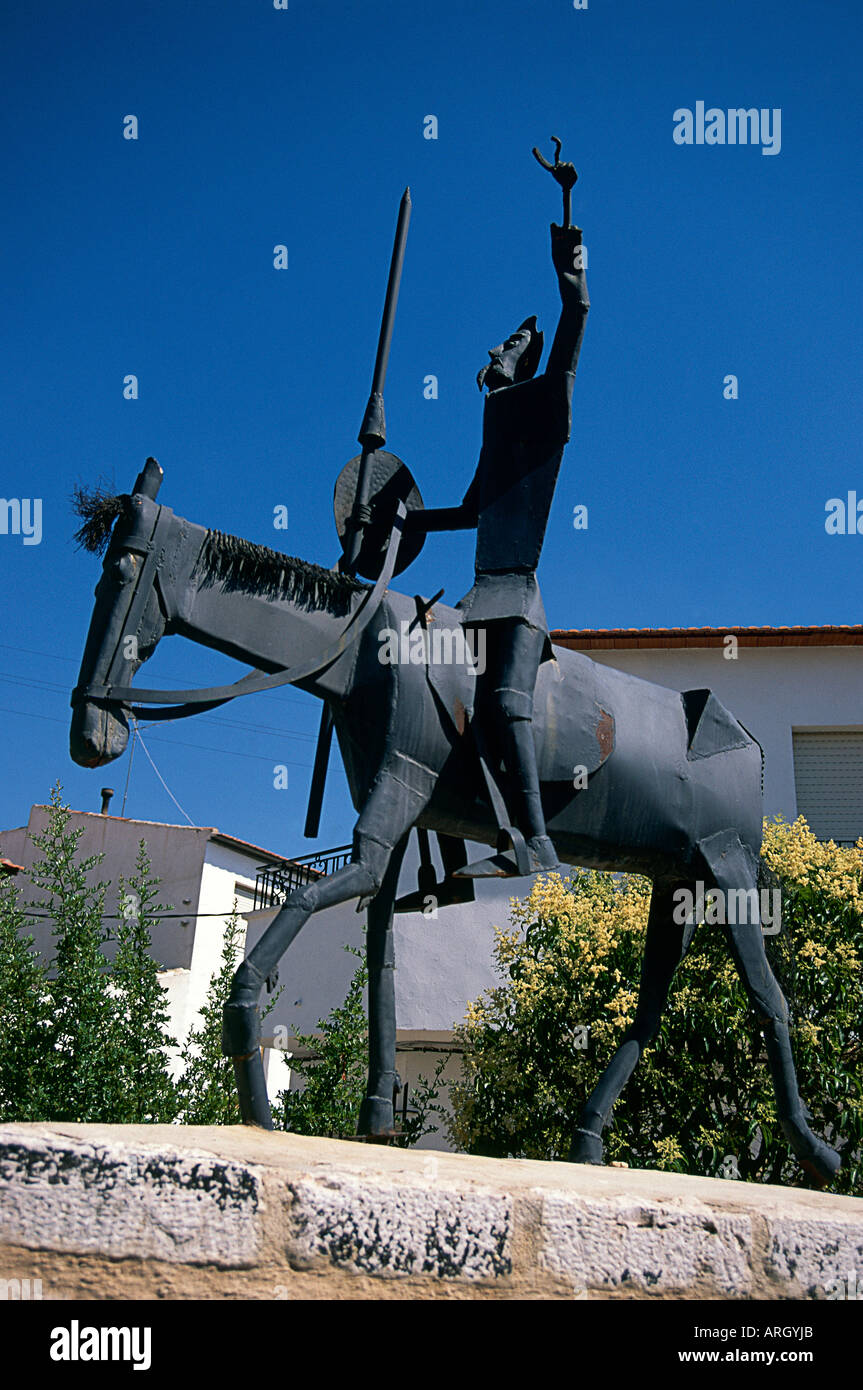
(118, 1200)
(644, 1246)
(376, 1227)
(814, 1253)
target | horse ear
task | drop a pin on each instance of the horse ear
(149, 480)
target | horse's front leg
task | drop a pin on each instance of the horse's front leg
(376, 1113)
(241, 1027)
(387, 817)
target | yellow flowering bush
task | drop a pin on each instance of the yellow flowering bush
(701, 1099)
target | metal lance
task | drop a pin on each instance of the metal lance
(373, 432)
(372, 436)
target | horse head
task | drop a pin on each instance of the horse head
(127, 620)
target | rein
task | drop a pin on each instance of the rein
(182, 703)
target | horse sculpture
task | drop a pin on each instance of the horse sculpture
(670, 783)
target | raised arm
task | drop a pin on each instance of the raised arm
(566, 255)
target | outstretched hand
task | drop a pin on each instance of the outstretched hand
(564, 173)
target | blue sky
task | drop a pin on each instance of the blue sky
(302, 127)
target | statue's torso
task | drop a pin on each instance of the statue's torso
(525, 430)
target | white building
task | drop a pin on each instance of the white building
(203, 872)
(442, 962)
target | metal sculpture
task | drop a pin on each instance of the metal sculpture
(669, 784)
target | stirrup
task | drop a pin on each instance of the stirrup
(447, 893)
(511, 861)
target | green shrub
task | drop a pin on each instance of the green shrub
(701, 1100)
(83, 1039)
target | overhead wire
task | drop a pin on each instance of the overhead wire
(60, 688)
(137, 734)
(172, 742)
(75, 661)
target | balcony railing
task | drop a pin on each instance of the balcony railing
(274, 882)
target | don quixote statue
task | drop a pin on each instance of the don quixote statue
(473, 750)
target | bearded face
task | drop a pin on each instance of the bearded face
(515, 360)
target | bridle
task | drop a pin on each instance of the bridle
(182, 703)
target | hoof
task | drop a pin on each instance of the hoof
(586, 1147)
(377, 1120)
(252, 1091)
(814, 1156)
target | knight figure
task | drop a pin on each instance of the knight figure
(526, 425)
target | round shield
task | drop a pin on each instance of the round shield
(390, 482)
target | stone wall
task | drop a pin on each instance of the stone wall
(101, 1211)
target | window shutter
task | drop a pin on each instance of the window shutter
(828, 776)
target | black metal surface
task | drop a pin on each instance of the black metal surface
(373, 432)
(389, 482)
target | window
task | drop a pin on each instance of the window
(828, 777)
(245, 895)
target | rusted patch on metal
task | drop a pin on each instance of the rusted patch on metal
(459, 714)
(605, 733)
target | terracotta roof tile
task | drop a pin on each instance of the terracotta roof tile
(597, 639)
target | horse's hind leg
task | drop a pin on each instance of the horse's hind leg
(376, 1113)
(666, 944)
(735, 868)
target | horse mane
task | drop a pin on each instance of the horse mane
(98, 509)
(242, 565)
(238, 563)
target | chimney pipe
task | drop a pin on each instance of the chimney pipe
(107, 793)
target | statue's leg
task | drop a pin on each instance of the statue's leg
(521, 652)
(734, 867)
(665, 946)
(517, 649)
(376, 1113)
(387, 817)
